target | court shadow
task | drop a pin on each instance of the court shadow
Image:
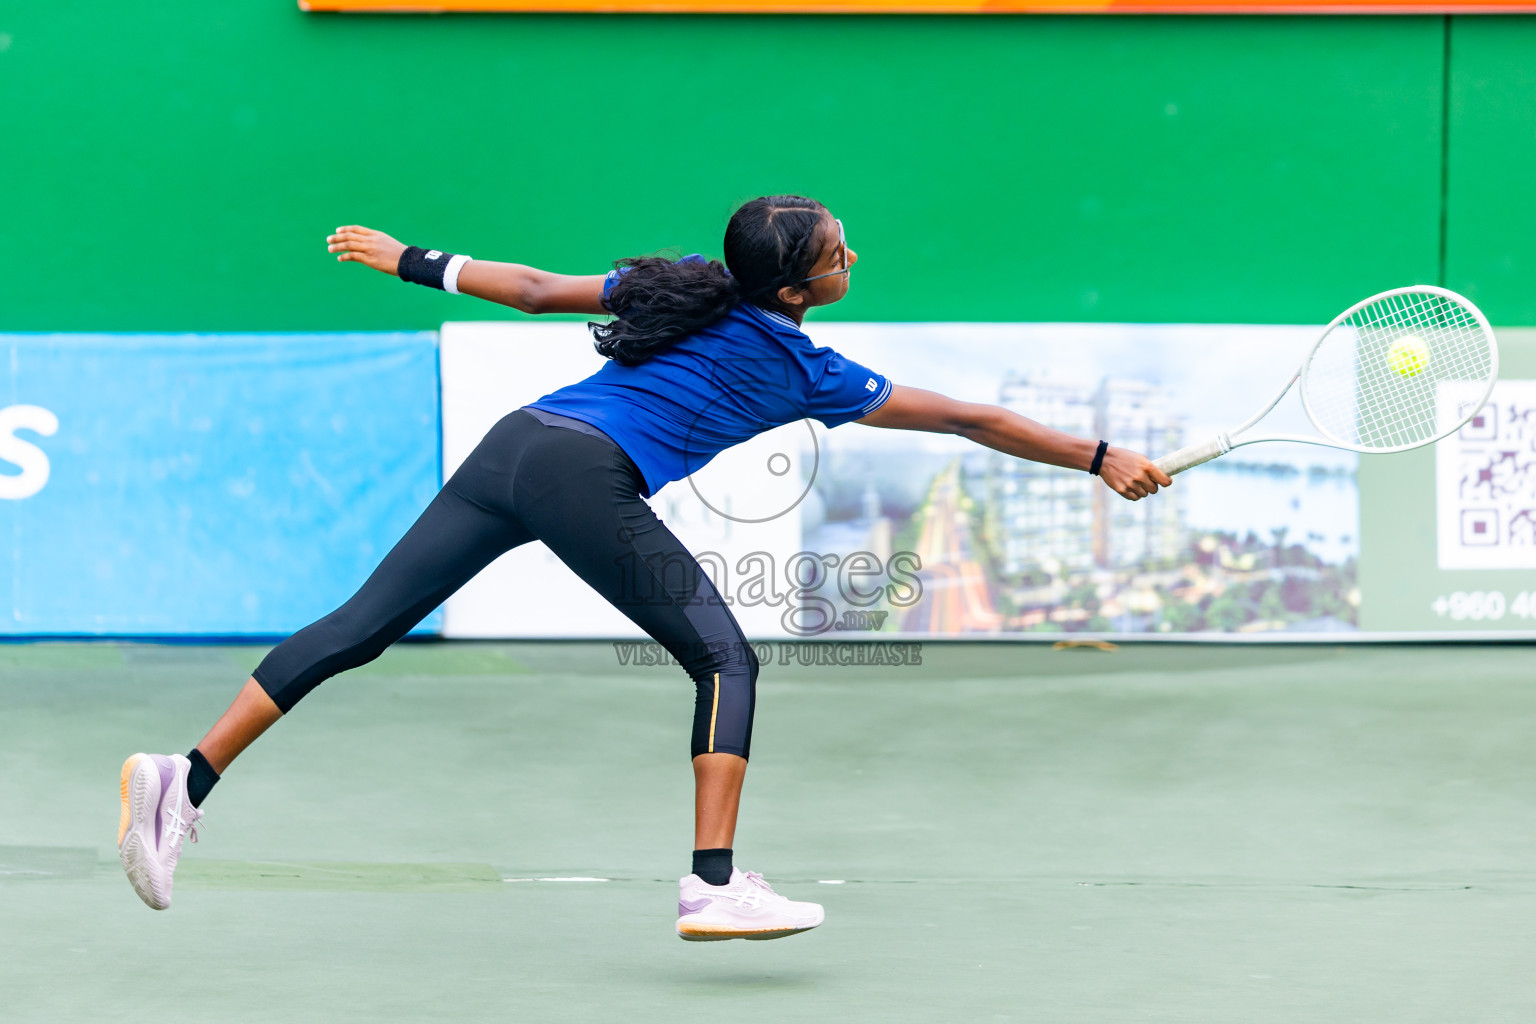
(740, 980)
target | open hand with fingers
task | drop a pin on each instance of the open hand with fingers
(358, 244)
(1131, 474)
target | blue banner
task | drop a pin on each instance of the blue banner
(233, 484)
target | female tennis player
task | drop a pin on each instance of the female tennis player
(702, 356)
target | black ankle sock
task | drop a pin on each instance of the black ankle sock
(200, 779)
(714, 866)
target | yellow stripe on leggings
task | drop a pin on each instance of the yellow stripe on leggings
(713, 714)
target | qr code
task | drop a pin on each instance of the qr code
(1486, 483)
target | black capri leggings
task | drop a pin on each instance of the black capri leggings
(579, 493)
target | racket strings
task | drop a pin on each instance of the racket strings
(1458, 351)
(1362, 393)
(1388, 411)
(1393, 407)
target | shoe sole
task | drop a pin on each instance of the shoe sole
(719, 933)
(140, 792)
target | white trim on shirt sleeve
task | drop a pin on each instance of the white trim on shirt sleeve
(879, 399)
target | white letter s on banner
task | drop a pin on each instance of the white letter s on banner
(32, 460)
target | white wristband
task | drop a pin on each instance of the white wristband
(451, 274)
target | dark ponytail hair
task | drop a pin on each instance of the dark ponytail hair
(770, 243)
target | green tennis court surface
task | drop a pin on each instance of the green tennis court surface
(1190, 834)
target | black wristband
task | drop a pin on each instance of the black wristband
(431, 267)
(1098, 458)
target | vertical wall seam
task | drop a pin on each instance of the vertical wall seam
(1445, 146)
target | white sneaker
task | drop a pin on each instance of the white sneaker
(746, 907)
(156, 817)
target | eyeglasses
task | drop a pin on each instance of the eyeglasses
(842, 258)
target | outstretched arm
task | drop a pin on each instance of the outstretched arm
(509, 284)
(1128, 473)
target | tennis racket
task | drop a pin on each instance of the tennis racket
(1396, 371)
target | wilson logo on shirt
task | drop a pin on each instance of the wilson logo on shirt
(870, 386)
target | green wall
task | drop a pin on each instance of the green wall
(175, 166)
(1491, 217)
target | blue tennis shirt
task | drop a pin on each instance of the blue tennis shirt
(750, 371)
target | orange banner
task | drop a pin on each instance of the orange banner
(935, 6)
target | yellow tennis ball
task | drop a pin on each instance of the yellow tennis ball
(1409, 356)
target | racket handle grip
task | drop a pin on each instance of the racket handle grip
(1186, 458)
